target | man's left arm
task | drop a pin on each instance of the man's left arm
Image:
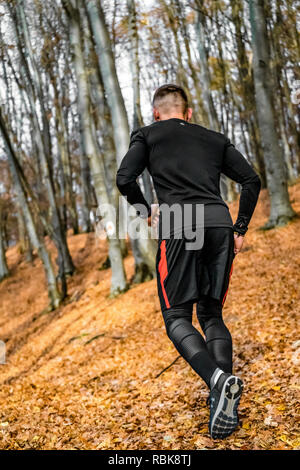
(236, 167)
(132, 165)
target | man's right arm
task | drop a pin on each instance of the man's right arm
(236, 167)
(132, 165)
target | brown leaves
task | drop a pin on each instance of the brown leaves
(84, 376)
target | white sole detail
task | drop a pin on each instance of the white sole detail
(225, 419)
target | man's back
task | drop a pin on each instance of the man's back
(185, 161)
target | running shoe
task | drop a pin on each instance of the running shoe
(224, 400)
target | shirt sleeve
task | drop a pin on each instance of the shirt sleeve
(132, 165)
(236, 167)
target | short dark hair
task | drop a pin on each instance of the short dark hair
(180, 96)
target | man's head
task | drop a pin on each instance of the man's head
(171, 101)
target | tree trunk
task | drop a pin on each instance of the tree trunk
(118, 280)
(281, 209)
(134, 64)
(180, 71)
(67, 194)
(204, 69)
(102, 120)
(41, 139)
(112, 89)
(143, 249)
(38, 244)
(113, 92)
(24, 241)
(3, 264)
(201, 115)
(249, 113)
(86, 185)
(288, 148)
(110, 79)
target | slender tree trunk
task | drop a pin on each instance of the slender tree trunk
(134, 64)
(86, 185)
(67, 194)
(289, 143)
(204, 69)
(279, 106)
(24, 241)
(118, 281)
(3, 264)
(111, 85)
(226, 187)
(38, 244)
(114, 95)
(224, 81)
(286, 149)
(249, 113)
(281, 209)
(180, 13)
(143, 249)
(135, 72)
(180, 70)
(41, 139)
(102, 119)
(110, 79)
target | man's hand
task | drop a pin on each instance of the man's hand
(155, 218)
(238, 242)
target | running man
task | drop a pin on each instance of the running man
(185, 161)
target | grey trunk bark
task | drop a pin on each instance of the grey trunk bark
(40, 137)
(143, 249)
(110, 79)
(115, 101)
(3, 264)
(118, 280)
(24, 241)
(281, 210)
(38, 244)
(204, 72)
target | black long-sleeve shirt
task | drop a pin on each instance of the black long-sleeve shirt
(185, 161)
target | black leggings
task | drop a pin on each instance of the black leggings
(204, 356)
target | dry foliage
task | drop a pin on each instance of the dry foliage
(83, 377)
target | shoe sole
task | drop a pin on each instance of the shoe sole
(226, 419)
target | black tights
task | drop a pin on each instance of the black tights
(204, 356)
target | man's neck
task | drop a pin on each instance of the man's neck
(171, 116)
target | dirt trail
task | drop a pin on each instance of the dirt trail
(83, 377)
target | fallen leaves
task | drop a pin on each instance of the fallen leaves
(88, 375)
(270, 422)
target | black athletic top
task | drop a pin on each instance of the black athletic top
(185, 161)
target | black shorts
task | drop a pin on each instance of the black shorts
(184, 275)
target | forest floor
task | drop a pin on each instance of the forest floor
(85, 375)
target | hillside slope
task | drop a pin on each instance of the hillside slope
(85, 376)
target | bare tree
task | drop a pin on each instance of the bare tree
(3, 264)
(42, 141)
(118, 281)
(281, 209)
(17, 177)
(143, 249)
(144, 254)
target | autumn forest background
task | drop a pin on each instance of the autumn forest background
(85, 362)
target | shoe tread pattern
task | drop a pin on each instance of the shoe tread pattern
(227, 419)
